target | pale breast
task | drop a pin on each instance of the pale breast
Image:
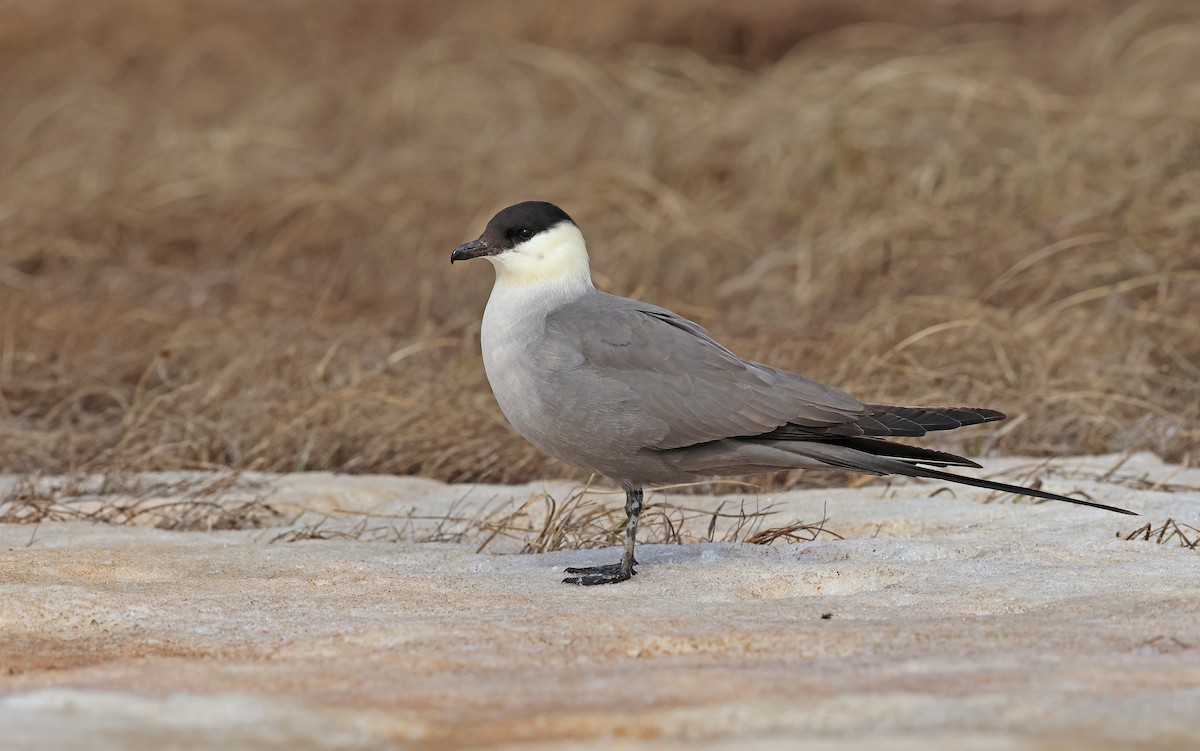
(509, 338)
(543, 392)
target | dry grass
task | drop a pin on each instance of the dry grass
(185, 504)
(544, 524)
(1169, 531)
(224, 227)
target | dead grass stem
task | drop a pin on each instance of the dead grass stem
(1169, 531)
(197, 503)
(545, 523)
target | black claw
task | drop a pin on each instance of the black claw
(610, 574)
(593, 579)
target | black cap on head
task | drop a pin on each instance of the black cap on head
(511, 227)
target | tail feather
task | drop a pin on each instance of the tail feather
(906, 453)
(869, 458)
(934, 474)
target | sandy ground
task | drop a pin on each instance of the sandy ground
(939, 621)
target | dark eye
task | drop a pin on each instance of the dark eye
(525, 234)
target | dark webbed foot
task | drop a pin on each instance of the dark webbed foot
(614, 572)
(610, 574)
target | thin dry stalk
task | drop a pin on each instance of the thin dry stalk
(581, 520)
(1167, 532)
(191, 503)
(363, 531)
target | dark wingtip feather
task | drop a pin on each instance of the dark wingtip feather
(933, 418)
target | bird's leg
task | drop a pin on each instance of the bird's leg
(615, 572)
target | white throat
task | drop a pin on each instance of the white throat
(553, 262)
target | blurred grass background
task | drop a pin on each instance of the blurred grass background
(225, 227)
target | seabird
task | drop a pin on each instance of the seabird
(643, 396)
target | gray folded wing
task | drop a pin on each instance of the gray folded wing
(689, 388)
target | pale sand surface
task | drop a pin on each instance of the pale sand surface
(952, 624)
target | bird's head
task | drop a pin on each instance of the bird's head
(531, 243)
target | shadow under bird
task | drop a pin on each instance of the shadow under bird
(643, 396)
